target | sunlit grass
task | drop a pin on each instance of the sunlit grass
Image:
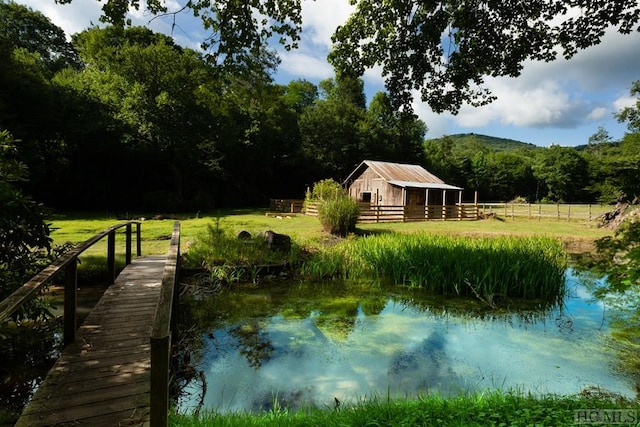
(492, 408)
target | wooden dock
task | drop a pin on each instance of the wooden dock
(103, 378)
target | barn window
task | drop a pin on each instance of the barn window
(366, 197)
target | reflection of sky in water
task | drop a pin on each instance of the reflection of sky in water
(404, 351)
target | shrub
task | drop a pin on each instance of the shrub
(339, 216)
(327, 189)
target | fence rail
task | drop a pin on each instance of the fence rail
(464, 211)
(396, 213)
(163, 327)
(559, 211)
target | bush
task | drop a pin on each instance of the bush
(327, 189)
(339, 216)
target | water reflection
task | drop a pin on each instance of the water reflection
(299, 345)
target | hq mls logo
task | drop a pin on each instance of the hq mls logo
(605, 416)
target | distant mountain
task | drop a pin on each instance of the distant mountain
(496, 144)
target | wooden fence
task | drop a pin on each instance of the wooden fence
(560, 212)
(388, 213)
(464, 211)
(286, 205)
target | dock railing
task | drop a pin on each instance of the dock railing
(164, 326)
(68, 263)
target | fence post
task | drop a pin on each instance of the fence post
(70, 300)
(558, 210)
(513, 214)
(539, 211)
(111, 257)
(589, 211)
(128, 245)
(568, 213)
(529, 205)
(159, 405)
(475, 206)
(138, 240)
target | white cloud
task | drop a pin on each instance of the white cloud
(624, 101)
(597, 113)
(303, 65)
(72, 18)
(321, 18)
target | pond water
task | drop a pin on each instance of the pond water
(309, 345)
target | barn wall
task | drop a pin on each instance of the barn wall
(368, 182)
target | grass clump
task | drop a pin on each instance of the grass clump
(479, 409)
(233, 258)
(339, 216)
(527, 267)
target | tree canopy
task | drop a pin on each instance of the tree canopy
(446, 49)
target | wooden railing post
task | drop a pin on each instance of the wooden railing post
(111, 257)
(127, 256)
(70, 301)
(159, 400)
(138, 240)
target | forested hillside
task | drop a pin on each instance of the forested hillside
(123, 118)
(494, 143)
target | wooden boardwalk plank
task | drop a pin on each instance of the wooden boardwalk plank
(103, 378)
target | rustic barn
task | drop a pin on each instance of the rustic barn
(387, 187)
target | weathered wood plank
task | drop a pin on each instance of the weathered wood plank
(103, 378)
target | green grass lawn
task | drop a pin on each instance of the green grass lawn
(303, 229)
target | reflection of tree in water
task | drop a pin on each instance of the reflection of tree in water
(338, 325)
(424, 367)
(26, 355)
(292, 400)
(625, 340)
(253, 343)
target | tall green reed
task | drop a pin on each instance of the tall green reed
(528, 267)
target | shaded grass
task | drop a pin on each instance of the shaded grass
(480, 409)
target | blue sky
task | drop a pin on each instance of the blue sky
(563, 102)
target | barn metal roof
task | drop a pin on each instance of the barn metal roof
(402, 175)
(429, 185)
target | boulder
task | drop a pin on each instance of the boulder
(243, 235)
(276, 241)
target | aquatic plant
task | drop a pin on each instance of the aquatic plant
(489, 268)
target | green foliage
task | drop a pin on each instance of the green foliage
(237, 29)
(326, 189)
(446, 49)
(339, 216)
(618, 258)
(485, 267)
(23, 231)
(35, 33)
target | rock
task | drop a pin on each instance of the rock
(243, 235)
(277, 242)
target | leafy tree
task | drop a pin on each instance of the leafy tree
(23, 230)
(150, 87)
(239, 30)
(563, 171)
(391, 135)
(631, 115)
(331, 141)
(447, 48)
(35, 33)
